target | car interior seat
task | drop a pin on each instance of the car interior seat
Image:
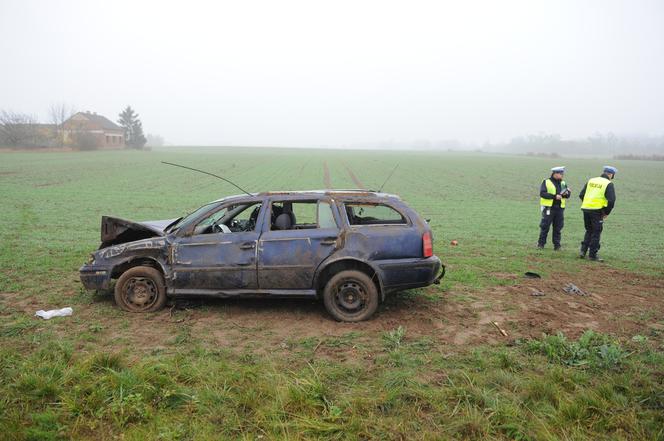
(283, 222)
(288, 209)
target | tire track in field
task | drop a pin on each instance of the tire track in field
(303, 166)
(326, 175)
(355, 179)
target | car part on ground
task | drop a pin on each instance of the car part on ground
(570, 288)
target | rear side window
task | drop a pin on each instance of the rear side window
(373, 214)
(302, 215)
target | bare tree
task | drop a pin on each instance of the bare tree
(60, 113)
(18, 129)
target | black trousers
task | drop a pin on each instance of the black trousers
(551, 216)
(594, 223)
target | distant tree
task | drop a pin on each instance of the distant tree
(154, 140)
(138, 139)
(18, 129)
(129, 121)
(59, 113)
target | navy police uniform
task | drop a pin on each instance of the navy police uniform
(598, 197)
(553, 209)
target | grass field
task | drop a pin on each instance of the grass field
(428, 366)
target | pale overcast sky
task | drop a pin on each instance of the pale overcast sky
(341, 72)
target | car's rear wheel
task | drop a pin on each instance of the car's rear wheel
(140, 289)
(350, 296)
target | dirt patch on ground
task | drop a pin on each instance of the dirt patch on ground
(36, 149)
(50, 184)
(617, 302)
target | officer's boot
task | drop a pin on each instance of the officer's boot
(595, 258)
(583, 251)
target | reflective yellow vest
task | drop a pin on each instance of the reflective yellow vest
(551, 189)
(595, 197)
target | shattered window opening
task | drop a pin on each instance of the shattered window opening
(190, 217)
(301, 215)
(373, 214)
(230, 219)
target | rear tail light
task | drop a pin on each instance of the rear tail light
(427, 244)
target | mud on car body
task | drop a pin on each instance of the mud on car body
(349, 248)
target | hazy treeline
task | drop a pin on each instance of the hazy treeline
(24, 131)
(599, 144)
(19, 129)
(542, 144)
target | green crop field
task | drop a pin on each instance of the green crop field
(271, 370)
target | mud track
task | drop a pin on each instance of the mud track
(355, 179)
(618, 302)
(326, 175)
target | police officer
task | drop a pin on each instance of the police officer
(553, 193)
(598, 198)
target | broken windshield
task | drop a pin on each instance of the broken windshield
(185, 220)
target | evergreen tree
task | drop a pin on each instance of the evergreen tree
(129, 121)
(138, 139)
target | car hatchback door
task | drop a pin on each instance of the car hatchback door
(297, 236)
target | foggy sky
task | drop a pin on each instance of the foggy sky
(341, 73)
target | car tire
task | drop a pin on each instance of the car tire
(350, 296)
(140, 289)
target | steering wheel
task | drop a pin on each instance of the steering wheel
(220, 228)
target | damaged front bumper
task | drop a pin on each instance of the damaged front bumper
(95, 277)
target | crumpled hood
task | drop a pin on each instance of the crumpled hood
(158, 224)
(116, 231)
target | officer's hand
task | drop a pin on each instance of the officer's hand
(558, 197)
(604, 216)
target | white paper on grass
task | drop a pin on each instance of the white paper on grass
(54, 313)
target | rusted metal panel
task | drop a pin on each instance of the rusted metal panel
(216, 261)
(288, 259)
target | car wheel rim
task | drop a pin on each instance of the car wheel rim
(351, 297)
(140, 293)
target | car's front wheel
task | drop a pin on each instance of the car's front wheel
(350, 296)
(140, 289)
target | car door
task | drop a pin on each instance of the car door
(288, 258)
(215, 260)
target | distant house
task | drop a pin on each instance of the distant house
(93, 129)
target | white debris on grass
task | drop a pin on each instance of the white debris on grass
(54, 313)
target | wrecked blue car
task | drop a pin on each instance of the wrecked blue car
(349, 248)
